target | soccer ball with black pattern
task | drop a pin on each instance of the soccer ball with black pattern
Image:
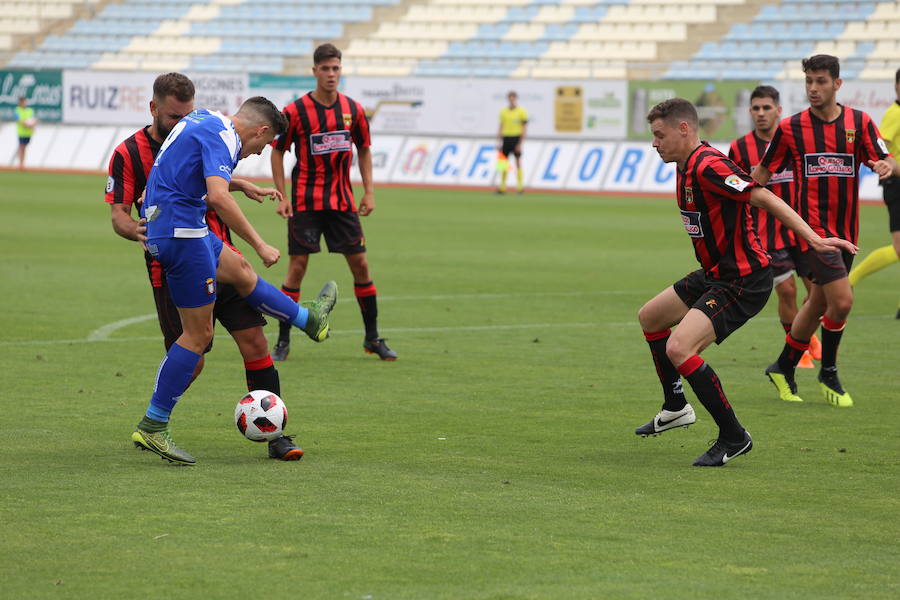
(261, 416)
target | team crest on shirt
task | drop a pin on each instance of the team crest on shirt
(348, 120)
(210, 286)
(711, 303)
(851, 136)
(688, 195)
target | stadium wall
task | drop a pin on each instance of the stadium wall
(583, 135)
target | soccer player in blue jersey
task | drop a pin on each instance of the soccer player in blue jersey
(192, 172)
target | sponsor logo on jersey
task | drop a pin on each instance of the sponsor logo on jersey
(110, 184)
(829, 164)
(851, 136)
(736, 182)
(782, 177)
(333, 141)
(882, 146)
(691, 221)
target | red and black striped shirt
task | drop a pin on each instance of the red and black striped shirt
(322, 137)
(746, 152)
(826, 158)
(128, 171)
(714, 195)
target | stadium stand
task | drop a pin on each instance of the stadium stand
(708, 39)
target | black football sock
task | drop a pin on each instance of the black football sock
(366, 297)
(669, 378)
(791, 353)
(261, 375)
(708, 388)
(284, 328)
(831, 339)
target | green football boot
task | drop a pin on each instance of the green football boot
(786, 386)
(319, 309)
(161, 443)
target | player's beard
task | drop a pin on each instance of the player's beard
(161, 129)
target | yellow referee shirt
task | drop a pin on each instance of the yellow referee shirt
(512, 121)
(890, 129)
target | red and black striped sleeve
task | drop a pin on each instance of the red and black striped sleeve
(778, 155)
(284, 141)
(361, 135)
(120, 182)
(872, 146)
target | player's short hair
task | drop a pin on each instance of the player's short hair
(897, 77)
(766, 91)
(673, 111)
(173, 84)
(823, 62)
(324, 52)
(261, 111)
(512, 93)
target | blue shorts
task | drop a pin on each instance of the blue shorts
(190, 265)
(23, 141)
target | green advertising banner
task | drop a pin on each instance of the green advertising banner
(280, 89)
(43, 89)
(721, 105)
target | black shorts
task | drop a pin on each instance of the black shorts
(342, 229)
(785, 260)
(892, 199)
(233, 313)
(729, 303)
(509, 146)
(826, 267)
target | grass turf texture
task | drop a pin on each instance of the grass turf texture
(494, 460)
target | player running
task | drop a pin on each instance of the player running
(173, 98)
(323, 126)
(732, 285)
(777, 240)
(825, 145)
(191, 173)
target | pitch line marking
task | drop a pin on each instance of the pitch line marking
(102, 333)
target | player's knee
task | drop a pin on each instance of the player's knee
(645, 317)
(840, 308)
(254, 348)
(677, 351)
(897, 247)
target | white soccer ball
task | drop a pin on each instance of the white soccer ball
(261, 416)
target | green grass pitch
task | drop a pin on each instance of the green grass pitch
(495, 460)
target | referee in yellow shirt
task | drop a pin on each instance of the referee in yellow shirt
(513, 124)
(886, 255)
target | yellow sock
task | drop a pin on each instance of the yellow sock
(875, 261)
(519, 178)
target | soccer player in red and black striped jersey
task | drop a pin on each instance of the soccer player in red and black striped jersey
(323, 127)
(777, 240)
(129, 168)
(732, 285)
(825, 145)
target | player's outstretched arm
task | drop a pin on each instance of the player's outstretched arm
(220, 199)
(761, 175)
(885, 168)
(778, 208)
(253, 191)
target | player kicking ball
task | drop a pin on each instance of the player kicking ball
(732, 285)
(192, 173)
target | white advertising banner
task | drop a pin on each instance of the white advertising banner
(591, 165)
(113, 98)
(470, 107)
(873, 97)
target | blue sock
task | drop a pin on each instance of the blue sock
(268, 299)
(172, 380)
